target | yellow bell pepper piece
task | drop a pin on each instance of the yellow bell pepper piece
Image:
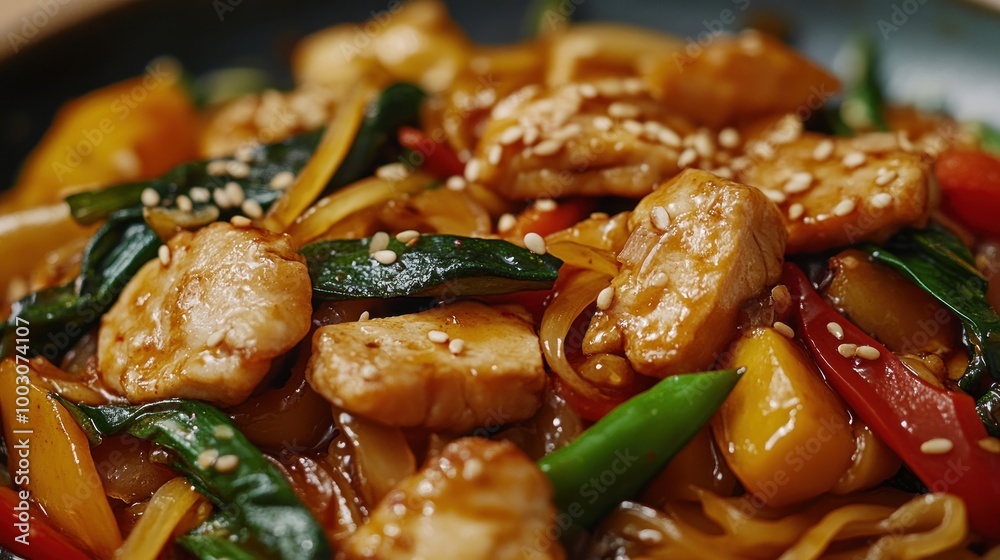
(784, 433)
(53, 461)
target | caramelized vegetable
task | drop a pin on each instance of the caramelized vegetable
(784, 433)
(132, 130)
(892, 309)
(872, 464)
(165, 510)
(61, 474)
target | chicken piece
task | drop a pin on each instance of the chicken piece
(477, 499)
(390, 370)
(604, 138)
(839, 191)
(262, 118)
(207, 324)
(700, 246)
(738, 78)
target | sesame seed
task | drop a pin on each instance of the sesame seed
(494, 154)
(392, 172)
(364, 316)
(506, 223)
(200, 194)
(184, 203)
(668, 137)
(569, 131)
(990, 444)
(456, 346)
(853, 159)
(234, 193)
(784, 329)
(798, 182)
(252, 209)
(632, 86)
(723, 172)
(650, 536)
(237, 169)
(884, 177)
(599, 216)
(659, 280)
(610, 88)
(385, 256)
(207, 458)
(472, 170)
(781, 297)
(379, 242)
(220, 198)
(848, 350)
(687, 157)
(605, 297)
(510, 135)
(216, 168)
(546, 204)
(880, 200)
(660, 218)
(216, 338)
(703, 145)
(222, 431)
(823, 150)
(633, 127)
(455, 183)
(406, 236)
(621, 110)
(936, 446)
(245, 153)
(603, 123)
(240, 221)
(836, 330)
(126, 163)
(472, 468)
(227, 463)
(729, 138)
(437, 337)
(530, 135)
(282, 180)
(904, 141)
(587, 91)
(149, 197)
(534, 243)
(844, 207)
(776, 197)
(164, 254)
(795, 211)
(548, 147)
(867, 353)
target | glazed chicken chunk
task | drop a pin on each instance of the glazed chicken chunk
(206, 319)
(700, 246)
(478, 499)
(839, 191)
(450, 368)
(602, 138)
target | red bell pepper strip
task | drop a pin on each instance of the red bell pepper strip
(566, 214)
(902, 409)
(44, 541)
(970, 188)
(439, 159)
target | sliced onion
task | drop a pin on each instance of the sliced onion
(382, 454)
(585, 257)
(573, 298)
(163, 513)
(331, 209)
(330, 153)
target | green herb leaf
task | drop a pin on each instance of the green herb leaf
(264, 163)
(432, 266)
(260, 510)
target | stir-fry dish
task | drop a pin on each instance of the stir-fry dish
(591, 295)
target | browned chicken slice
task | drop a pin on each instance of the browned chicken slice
(206, 319)
(450, 368)
(838, 191)
(602, 138)
(478, 499)
(739, 78)
(700, 246)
